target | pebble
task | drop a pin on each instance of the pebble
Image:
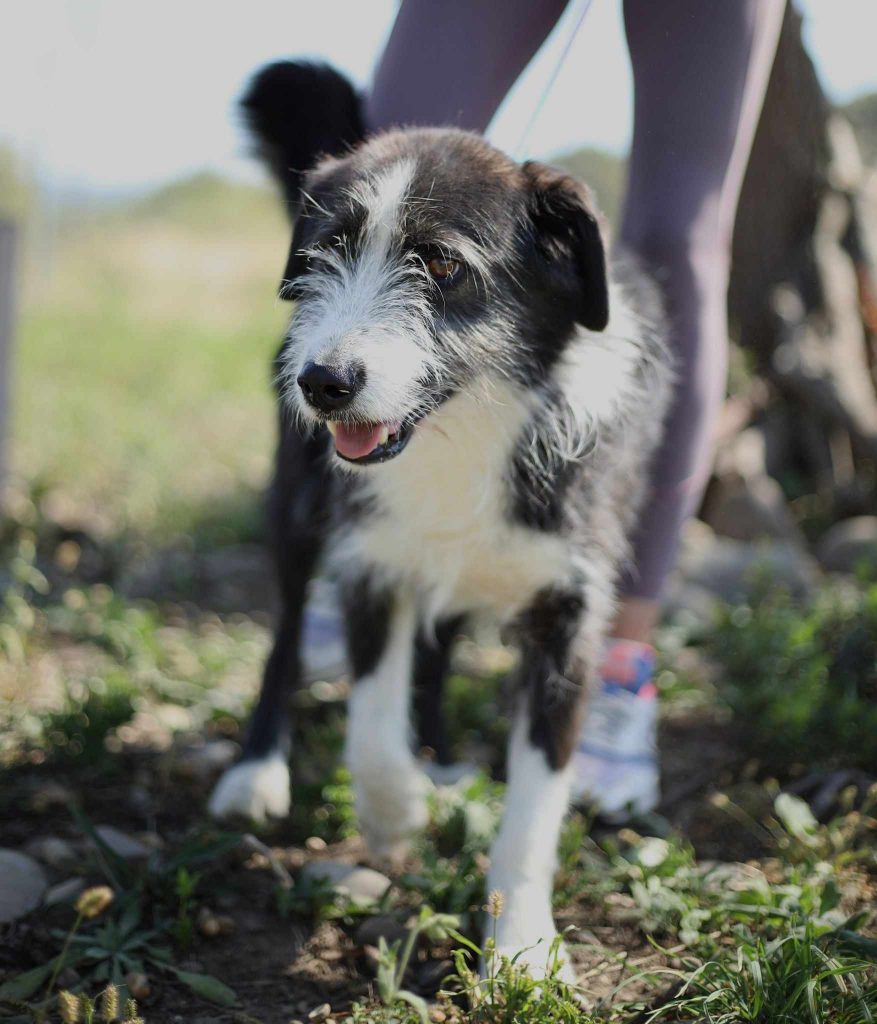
(849, 544)
(64, 892)
(383, 926)
(138, 985)
(67, 978)
(431, 975)
(320, 1012)
(211, 925)
(205, 761)
(362, 885)
(50, 794)
(122, 845)
(52, 850)
(22, 884)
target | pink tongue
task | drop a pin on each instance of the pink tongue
(355, 440)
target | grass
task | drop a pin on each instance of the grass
(800, 976)
(804, 680)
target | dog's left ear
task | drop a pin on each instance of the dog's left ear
(569, 235)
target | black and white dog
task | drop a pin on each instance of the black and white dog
(468, 397)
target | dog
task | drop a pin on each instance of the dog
(469, 392)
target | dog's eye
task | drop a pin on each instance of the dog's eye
(442, 269)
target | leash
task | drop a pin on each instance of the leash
(552, 79)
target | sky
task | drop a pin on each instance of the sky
(114, 95)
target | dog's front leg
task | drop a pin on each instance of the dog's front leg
(555, 666)
(258, 786)
(390, 787)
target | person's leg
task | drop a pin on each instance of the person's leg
(452, 63)
(700, 71)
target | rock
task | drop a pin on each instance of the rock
(48, 795)
(210, 925)
(750, 509)
(64, 892)
(734, 570)
(689, 606)
(122, 845)
(52, 850)
(431, 975)
(849, 545)
(382, 926)
(67, 978)
(321, 1012)
(205, 761)
(22, 884)
(138, 985)
(362, 885)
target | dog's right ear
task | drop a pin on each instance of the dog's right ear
(297, 113)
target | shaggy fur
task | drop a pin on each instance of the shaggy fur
(468, 398)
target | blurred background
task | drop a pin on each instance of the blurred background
(148, 244)
(140, 252)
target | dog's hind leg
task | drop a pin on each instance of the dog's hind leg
(556, 664)
(390, 787)
(258, 786)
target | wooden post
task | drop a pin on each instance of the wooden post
(7, 319)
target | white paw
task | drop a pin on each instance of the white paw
(253, 789)
(391, 807)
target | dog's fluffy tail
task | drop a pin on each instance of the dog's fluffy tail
(298, 112)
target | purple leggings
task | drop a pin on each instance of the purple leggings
(700, 69)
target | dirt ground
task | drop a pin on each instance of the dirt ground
(283, 967)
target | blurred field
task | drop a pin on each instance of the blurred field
(142, 372)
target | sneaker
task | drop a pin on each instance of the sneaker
(615, 764)
(323, 644)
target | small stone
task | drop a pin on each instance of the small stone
(734, 570)
(207, 923)
(22, 884)
(51, 850)
(203, 762)
(689, 606)
(363, 886)
(372, 955)
(48, 795)
(750, 509)
(432, 974)
(226, 924)
(64, 892)
(67, 978)
(138, 985)
(315, 844)
(320, 1012)
(849, 545)
(122, 845)
(383, 926)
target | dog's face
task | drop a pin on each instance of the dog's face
(424, 263)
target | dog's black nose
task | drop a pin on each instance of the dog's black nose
(327, 388)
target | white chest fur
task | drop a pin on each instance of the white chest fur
(442, 523)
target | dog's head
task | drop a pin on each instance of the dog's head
(423, 263)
